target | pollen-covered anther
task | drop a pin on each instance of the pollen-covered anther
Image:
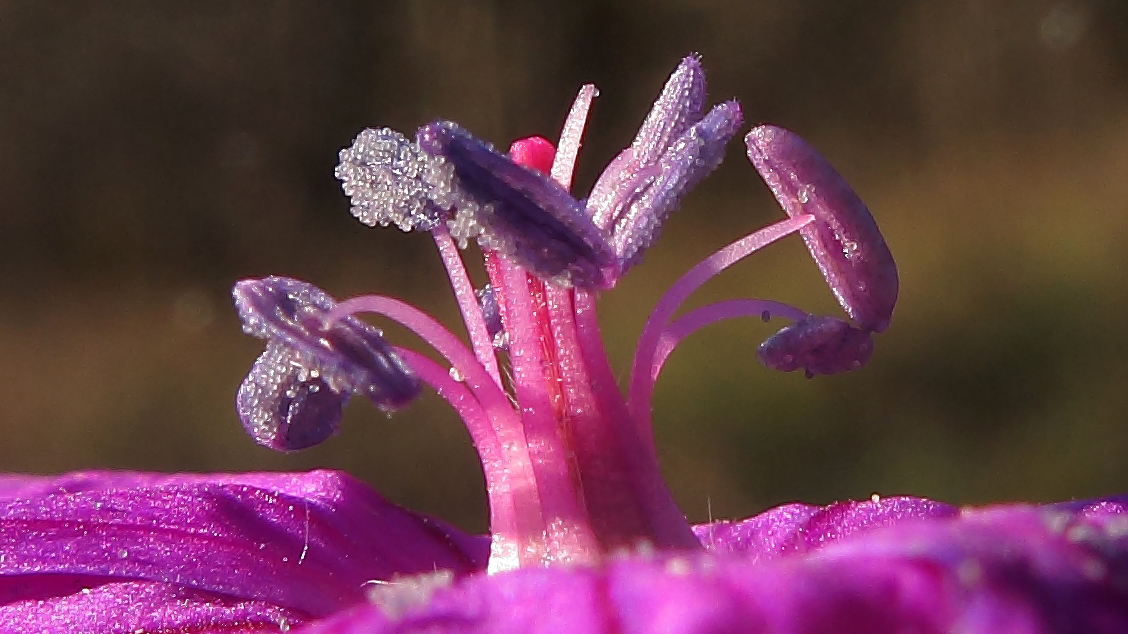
(522, 214)
(689, 158)
(292, 397)
(844, 239)
(391, 180)
(817, 345)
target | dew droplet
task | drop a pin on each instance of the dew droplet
(122, 553)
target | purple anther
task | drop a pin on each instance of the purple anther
(524, 215)
(293, 394)
(844, 240)
(689, 158)
(817, 345)
(679, 106)
(285, 406)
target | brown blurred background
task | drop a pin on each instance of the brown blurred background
(151, 153)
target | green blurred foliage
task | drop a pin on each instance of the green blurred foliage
(153, 153)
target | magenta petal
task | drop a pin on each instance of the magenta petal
(1005, 569)
(843, 240)
(125, 607)
(307, 542)
(798, 528)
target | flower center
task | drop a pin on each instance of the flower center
(569, 464)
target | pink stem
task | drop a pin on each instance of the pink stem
(696, 319)
(641, 385)
(569, 533)
(467, 303)
(628, 498)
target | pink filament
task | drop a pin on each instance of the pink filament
(641, 384)
(698, 318)
(467, 303)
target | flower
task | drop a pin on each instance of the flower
(584, 535)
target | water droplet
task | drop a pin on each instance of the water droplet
(456, 375)
(875, 498)
(122, 553)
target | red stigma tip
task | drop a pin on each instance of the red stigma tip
(533, 152)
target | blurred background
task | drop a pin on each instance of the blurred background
(153, 153)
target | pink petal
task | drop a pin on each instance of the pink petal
(308, 542)
(1014, 569)
(798, 528)
(127, 607)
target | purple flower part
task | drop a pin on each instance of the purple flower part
(799, 528)
(679, 106)
(292, 397)
(127, 607)
(282, 406)
(303, 542)
(390, 179)
(844, 240)
(491, 314)
(684, 163)
(1112, 505)
(818, 345)
(524, 215)
(1007, 569)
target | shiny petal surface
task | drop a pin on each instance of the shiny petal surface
(798, 528)
(844, 239)
(128, 607)
(1012, 569)
(305, 542)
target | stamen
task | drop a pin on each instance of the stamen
(641, 387)
(696, 319)
(507, 425)
(293, 395)
(525, 216)
(505, 544)
(690, 158)
(678, 106)
(442, 340)
(567, 522)
(844, 239)
(491, 313)
(285, 406)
